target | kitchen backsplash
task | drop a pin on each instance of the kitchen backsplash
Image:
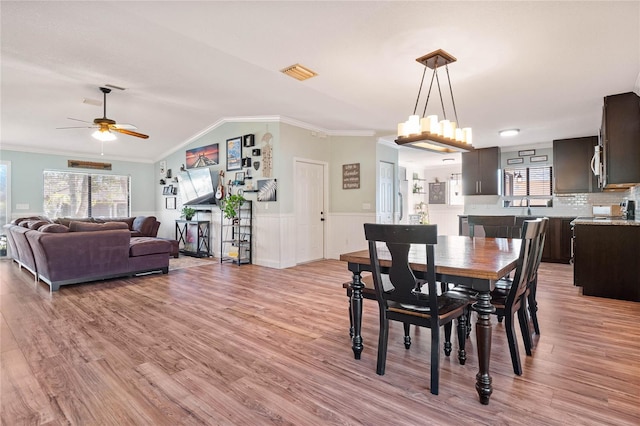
(563, 205)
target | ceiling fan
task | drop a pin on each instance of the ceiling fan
(105, 126)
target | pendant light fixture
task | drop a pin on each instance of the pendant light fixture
(427, 132)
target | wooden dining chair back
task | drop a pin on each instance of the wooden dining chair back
(404, 297)
(511, 300)
(494, 226)
(533, 276)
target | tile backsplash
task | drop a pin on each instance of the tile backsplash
(563, 205)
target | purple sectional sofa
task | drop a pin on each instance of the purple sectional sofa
(86, 251)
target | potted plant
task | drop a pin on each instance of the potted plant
(188, 212)
(231, 205)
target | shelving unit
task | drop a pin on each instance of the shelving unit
(193, 237)
(235, 241)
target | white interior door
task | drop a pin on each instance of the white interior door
(386, 193)
(309, 211)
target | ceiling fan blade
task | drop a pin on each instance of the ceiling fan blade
(130, 133)
(124, 126)
(77, 127)
(77, 119)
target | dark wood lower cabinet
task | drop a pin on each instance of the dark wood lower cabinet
(557, 246)
(607, 261)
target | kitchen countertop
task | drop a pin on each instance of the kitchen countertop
(605, 221)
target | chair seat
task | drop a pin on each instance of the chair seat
(447, 307)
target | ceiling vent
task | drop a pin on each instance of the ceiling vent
(298, 72)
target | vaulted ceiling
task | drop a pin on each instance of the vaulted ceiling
(543, 67)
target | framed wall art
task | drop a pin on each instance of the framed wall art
(267, 190)
(526, 153)
(538, 159)
(204, 156)
(170, 203)
(234, 154)
(248, 140)
(515, 160)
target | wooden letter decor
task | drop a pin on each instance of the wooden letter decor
(351, 176)
(88, 165)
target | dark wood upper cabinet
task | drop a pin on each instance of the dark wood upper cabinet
(480, 171)
(621, 140)
(572, 165)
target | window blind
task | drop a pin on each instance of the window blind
(71, 194)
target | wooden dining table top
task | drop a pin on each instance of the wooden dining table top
(480, 258)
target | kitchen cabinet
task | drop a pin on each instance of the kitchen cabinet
(557, 246)
(621, 141)
(480, 170)
(572, 165)
(607, 260)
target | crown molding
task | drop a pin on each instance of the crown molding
(59, 153)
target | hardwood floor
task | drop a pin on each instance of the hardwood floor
(223, 345)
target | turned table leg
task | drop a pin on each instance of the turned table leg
(484, 308)
(356, 311)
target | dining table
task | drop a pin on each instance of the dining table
(473, 262)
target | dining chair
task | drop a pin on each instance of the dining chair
(405, 298)
(509, 296)
(494, 226)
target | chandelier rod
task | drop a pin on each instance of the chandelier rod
(415, 108)
(429, 93)
(453, 100)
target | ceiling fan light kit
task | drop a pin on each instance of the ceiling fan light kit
(427, 132)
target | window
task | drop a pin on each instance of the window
(528, 187)
(86, 195)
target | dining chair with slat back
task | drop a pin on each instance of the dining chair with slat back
(509, 296)
(533, 279)
(407, 299)
(512, 300)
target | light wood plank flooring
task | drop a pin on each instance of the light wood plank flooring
(223, 345)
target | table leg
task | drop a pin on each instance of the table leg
(356, 311)
(484, 308)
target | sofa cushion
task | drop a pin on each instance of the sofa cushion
(141, 246)
(67, 220)
(88, 227)
(54, 228)
(37, 224)
(127, 220)
(144, 225)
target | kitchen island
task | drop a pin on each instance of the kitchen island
(607, 257)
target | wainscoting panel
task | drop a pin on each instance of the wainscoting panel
(344, 232)
(266, 237)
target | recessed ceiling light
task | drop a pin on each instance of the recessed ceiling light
(509, 132)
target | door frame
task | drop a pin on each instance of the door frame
(325, 196)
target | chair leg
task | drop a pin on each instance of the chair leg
(383, 338)
(462, 338)
(524, 328)
(513, 345)
(447, 339)
(407, 338)
(468, 315)
(533, 307)
(435, 360)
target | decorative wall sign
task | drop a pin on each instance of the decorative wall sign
(163, 167)
(538, 159)
(438, 193)
(526, 153)
(267, 190)
(234, 154)
(88, 165)
(204, 156)
(351, 176)
(515, 160)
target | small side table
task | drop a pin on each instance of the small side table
(193, 237)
